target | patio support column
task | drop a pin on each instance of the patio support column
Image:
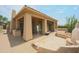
(17, 24)
(12, 23)
(11, 26)
(55, 25)
(27, 35)
(45, 28)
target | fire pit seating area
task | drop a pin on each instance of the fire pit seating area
(63, 34)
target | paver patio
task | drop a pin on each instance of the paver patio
(50, 42)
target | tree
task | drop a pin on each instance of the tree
(1, 18)
(5, 20)
(70, 24)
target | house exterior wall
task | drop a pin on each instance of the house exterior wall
(55, 25)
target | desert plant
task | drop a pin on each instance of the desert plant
(70, 24)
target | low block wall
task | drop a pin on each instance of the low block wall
(62, 29)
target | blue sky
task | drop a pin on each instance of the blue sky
(59, 12)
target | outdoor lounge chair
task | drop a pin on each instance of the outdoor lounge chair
(47, 33)
(66, 36)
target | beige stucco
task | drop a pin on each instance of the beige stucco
(27, 27)
(12, 21)
(45, 26)
(27, 13)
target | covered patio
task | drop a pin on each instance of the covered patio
(37, 29)
(30, 23)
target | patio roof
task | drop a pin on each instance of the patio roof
(26, 8)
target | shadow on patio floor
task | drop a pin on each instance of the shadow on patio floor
(14, 41)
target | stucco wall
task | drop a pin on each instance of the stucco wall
(27, 35)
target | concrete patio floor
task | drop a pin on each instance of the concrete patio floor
(49, 42)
